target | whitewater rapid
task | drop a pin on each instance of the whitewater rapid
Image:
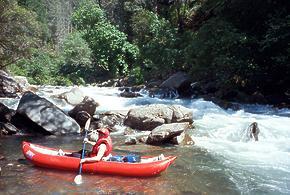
(253, 166)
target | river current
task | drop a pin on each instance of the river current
(222, 161)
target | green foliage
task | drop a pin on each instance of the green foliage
(239, 44)
(136, 75)
(40, 68)
(111, 50)
(88, 15)
(157, 42)
(76, 52)
(219, 52)
(41, 9)
(77, 58)
(19, 32)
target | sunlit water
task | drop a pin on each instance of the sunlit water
(222, 161)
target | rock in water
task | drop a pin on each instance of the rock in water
(46, 115)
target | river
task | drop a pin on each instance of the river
(222, 161)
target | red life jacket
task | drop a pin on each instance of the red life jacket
(104, 138)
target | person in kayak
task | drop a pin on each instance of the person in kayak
(102, 145)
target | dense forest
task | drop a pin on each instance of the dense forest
(243, 46)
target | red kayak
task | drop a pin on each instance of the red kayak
(48, 157)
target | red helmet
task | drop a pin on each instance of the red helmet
(104, 131)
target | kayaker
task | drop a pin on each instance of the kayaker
(102, 145)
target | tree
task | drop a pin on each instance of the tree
(111, 50)
(77, 57)
(157, 41)
(19, 32)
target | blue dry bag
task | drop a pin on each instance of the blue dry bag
(132, 158)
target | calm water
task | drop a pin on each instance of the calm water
(222, 161)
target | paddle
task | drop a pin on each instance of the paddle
(78, 178)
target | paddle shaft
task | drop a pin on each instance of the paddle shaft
(83, 152)
(84, 144)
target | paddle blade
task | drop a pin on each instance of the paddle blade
(78, 179)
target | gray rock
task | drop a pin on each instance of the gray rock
(88, 105)
(5, 113)
(131, 141)
(74, 96)
(8, 129)
(165, 133)
(8, 86)
(182, 139)
(46, 115)
(151, 116)
(176, 81)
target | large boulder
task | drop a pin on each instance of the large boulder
(46, 115)
(179, 81)
(151, 116)
(166, 132)
(8, 86)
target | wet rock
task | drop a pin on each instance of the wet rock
(130, 94)
(165, 133)
(8, 129)
(151, 116)
(137, 88)
(8, 86)
(23, 161)
(129, 131)
(111, 119)
(109, 83)
(82, 118)
(179, 81)
(88, 105)
(183, 139)
(163, 93)
(131, 141)
(143, 139)
(74, 96)
(46, 115)
(6, 113)
(253, 131)
(22, 81)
